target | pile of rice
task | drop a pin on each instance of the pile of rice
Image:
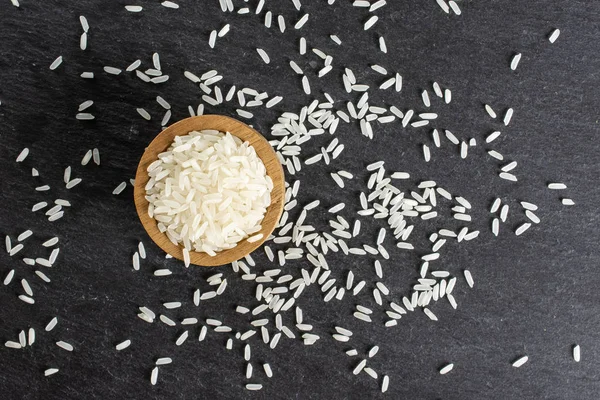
(208, 191)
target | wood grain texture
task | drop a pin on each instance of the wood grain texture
(223, 124)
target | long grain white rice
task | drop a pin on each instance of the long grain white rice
(454, 6)
(577, 353)
(172, 304)
(268, 370)
(275, 340)
(425, 98)
(515, 61)
(144, 113)
(428, 116)
(371, 372)
(86, 104)
(8, 242)
(520, 361)
(337, 179)
(556, 186)
(418, 124)
(426, 153)
(30, 336)
(492, 136)
(14, 250)
(386, 379)
(23, 155)
(263, 54)
(352, 352)
(123, 345)
(26, 299)
(154, 376)
(112, 70)
(534, 218)
(24, 235)
(362, 316)
(64, 345)
(437, 90)
(83, 41)
(495, 226)
(136, 261)
(163, 361)
(42, 276)
(490, 111)
(387, 83)
(522, 228)
(305, 84)
(554, 35)
(508, 116)
(370, 22)
(212, 39)
(84, 116)
(142, 76)
(182, 338)
(302, 49)
(377, 5)
(359, 367)
(203, 332)
(166, 118)
(469, 278)
(504, 212)
(397, 86)
(120, 188)
(142, 250)
(529, 206)
(373, 351)
(272, 102)
(446, 368)
(430, 314)
(400, 175)
(508, 176)
(301, 21)
(463, 150)
(26, 287)
(84, 23)
(56, 63)
(340, 338)
(495, 205)
(51, 324)
(12, 345)
(182, 146)
(170, 4)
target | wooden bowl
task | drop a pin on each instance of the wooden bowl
(245, 133)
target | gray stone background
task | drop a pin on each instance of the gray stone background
(536, 294)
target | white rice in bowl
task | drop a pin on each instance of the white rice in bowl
(208, 191)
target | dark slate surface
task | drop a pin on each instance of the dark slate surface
(536, 294)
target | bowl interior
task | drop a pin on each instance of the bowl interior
(245, 133)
